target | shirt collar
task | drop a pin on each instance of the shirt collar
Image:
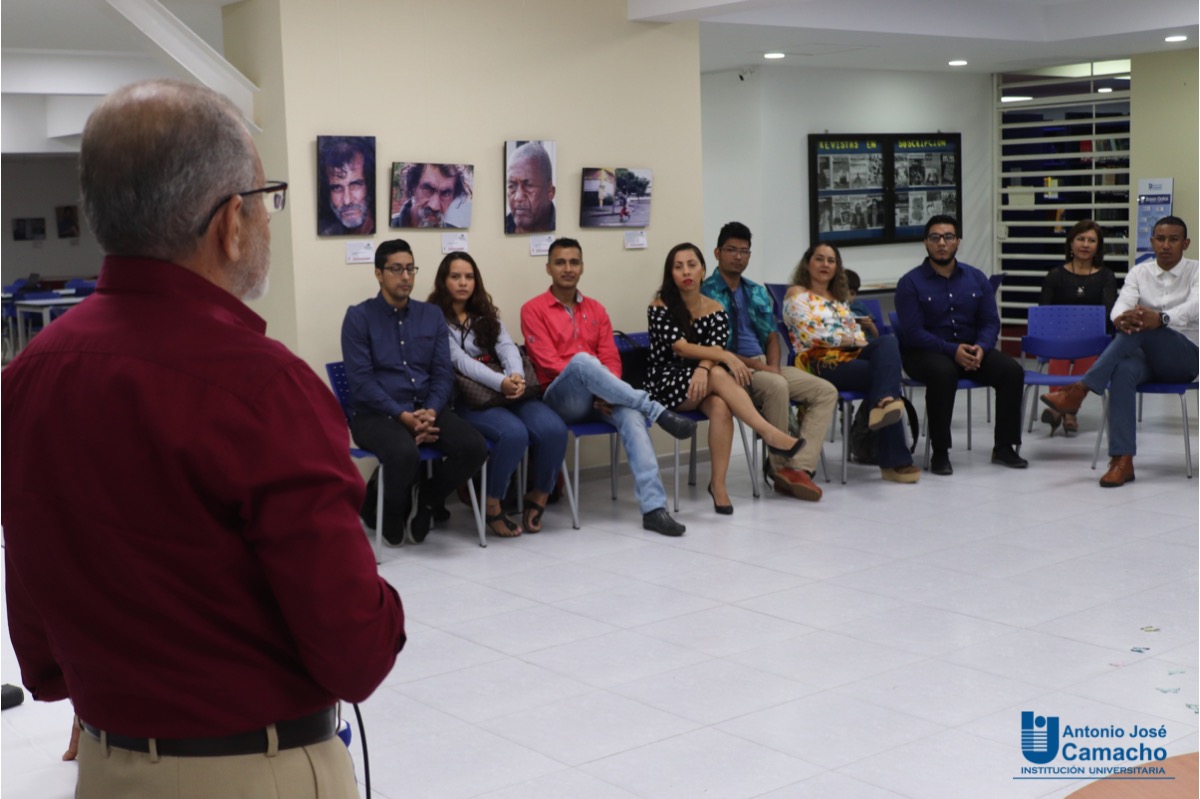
(129, 275)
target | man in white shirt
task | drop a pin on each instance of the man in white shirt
(1156, 319)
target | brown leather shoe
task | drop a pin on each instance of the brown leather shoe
(797, 483)
(1120, 472)
(1067, 400)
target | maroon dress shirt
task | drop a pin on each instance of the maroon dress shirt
(183, 551)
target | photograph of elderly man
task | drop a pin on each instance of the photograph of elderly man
(345, 185)
(529, 186)
(431, 195)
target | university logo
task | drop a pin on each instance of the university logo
(1039, 737)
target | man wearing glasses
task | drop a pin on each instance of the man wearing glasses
(1156, 318)
(184, 560)
(753, 335)
(397, 356)
(431, 190)
(949, 326)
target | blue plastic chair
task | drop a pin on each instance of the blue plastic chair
(336, 370)
(1067, 332)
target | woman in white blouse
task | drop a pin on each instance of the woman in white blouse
(830, 344)
(477, 335)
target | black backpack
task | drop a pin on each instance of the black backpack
(862, 437)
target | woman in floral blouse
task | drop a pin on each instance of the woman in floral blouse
(831, 344)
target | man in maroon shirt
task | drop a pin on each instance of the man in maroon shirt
(183, 554)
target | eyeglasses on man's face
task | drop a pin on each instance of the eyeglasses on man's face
(736, 252)
(274, 197)
(401, 269)
(935, 238)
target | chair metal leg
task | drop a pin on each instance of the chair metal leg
(1141, 401)
(750, 445)
(479, 503)
(612, 471)
(847, 413)
(675, 475)
(572, 499)
(928, 443)
(692, 461)
(824, 465)
(1187, 435)
(1032, 407)
(988, 394)
(969, 420)
(1103, 425)
(379, 517)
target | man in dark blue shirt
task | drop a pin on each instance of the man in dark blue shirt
(948, 331)
(397, 357)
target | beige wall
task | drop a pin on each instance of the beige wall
(1165, 120)
(451, 81)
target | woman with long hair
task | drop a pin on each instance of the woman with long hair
(690, 368)
(476, 335)
(831, 344)
(1082, 280)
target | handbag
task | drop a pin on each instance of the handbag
(635, 360)
(477, 396)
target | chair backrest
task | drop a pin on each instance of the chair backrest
(631, 341)
(894, 321)
(778, 290)
(1066, 321)
(876, 310)
(341, 387)
(38, 295)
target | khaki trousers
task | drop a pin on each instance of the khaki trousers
(320, 771)
(773, 393)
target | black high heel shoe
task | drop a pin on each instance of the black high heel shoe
(789, 453)
(724, 510)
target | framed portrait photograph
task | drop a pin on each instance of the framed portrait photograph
(529, 179)
(345, 185)
(426, 195)
(66, 219)
(615, 197)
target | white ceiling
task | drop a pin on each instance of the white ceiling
(58, 53)
(922, 35)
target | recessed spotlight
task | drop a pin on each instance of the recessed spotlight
(1175, 39)
(1104, 89)
(773, 55)
(1015, 98)
(957, 63)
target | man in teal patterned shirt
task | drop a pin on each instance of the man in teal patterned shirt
(753, 337)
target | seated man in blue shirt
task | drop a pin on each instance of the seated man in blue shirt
(948, 331)
(397, 355)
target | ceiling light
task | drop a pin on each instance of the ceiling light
(1175, 39)
(1104, 89)
(773, 55)
(958, 63)
(1015, 98)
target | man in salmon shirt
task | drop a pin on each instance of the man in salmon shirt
(569, 338)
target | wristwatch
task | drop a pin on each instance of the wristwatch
(1165, 319)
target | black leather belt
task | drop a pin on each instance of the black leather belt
(304, 731)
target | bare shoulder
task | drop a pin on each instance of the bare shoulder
(710, 306)
(657, 303)
(794, 291)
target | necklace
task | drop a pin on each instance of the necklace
(1080, 281)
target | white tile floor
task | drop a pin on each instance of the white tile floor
(877, 645)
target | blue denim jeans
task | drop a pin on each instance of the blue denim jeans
(586, 379)
(511, 429)
(1161, 355)
(876, 371)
